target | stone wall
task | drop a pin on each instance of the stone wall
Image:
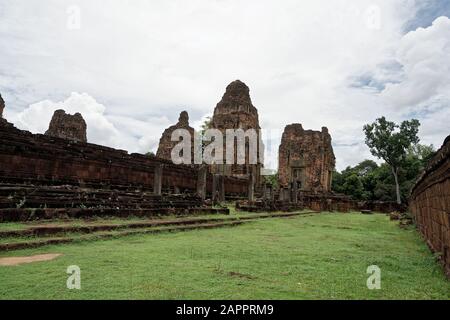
(66, 126)
(41, 159)
(343, 203)
(306, 157)
(283, 200)
(430, 204)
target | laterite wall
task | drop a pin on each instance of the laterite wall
(430, 204)
(39, 159)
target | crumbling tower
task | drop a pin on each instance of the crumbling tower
(66, 126)
(166, 144)
(306, 158)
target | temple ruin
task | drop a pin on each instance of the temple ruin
(306, 159)
(66, 126)
(43, 177)
(46, 178)
(166, 144)
(236, 111)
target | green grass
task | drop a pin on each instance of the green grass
(313, 257)
(8, 226)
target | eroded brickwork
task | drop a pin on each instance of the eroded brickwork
(66, 126)
(236, 111)
(430, 204)
(40, 159)
(307, 158)
(166, 144)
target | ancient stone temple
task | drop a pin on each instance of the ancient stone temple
(66, 126)
(306, 157)
(236, 111)
(166, 144)
(2, 106)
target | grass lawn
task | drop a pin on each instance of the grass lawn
(312, 257)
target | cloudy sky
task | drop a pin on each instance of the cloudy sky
(130, 67)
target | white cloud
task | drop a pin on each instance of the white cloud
(425, 56)
(424, 92)
(148, 60)
(134, 135)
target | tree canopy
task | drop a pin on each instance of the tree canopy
(371, 181)
(390, 142)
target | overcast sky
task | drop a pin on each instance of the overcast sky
(130, 67)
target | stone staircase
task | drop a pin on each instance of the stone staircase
(28, 202)
(33, 235)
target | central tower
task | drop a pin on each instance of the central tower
(236, 111)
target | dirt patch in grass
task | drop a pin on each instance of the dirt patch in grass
(240, 275)
(16, 261)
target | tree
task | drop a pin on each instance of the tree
(391, 142)
(272, 180)
(206, 125)
(365, 167)
(422, 152)
(338, 182)
(357, 182)
(378, 183)
(354, 187)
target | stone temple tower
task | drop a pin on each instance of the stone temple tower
(166, 144)
(306, 158)
(66, 126)
(236, 111)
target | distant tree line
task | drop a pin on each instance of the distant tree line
(370, 181)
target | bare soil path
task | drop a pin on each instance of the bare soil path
(16, 261)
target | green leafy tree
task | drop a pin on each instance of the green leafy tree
(353, 186)
(378, 181)
(206, 125)
(365, 167)
(391, 142)
(338, 182)
(422, 152)
(272, 180)
(357, 182)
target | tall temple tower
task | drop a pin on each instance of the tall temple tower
(236, 111)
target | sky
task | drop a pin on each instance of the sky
(130, 67)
